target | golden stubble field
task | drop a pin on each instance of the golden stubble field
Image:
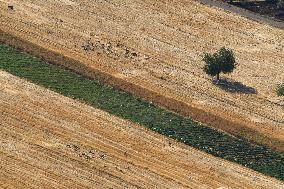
(50, 141)
(154, 47)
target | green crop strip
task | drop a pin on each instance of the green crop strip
(126, 106)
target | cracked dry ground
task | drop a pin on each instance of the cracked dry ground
(156, 45)
(51, 141)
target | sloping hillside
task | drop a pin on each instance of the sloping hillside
(50, 141)
(153, 48)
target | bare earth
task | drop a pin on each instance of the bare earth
(156, 45)
(50, 141)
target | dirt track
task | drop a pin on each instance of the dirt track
(157, 46)
(50, 141)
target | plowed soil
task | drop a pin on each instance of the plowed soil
(153, 48)
(50, 141)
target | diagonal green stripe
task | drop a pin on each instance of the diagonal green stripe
(126, 106)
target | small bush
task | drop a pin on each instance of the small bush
(280, 90)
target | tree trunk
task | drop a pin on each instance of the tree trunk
(218, 76)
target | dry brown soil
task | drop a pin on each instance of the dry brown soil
(152, 49)
(50, 141)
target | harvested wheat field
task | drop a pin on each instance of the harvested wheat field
(50, 141)
(153, 48)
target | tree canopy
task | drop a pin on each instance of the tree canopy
(222, 61)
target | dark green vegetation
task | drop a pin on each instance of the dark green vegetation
(272, 8)
(129, 107)
(222, 61)
(280, 4)
(280, 90)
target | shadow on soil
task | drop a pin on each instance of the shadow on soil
(234, 86)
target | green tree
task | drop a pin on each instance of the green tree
(222, 61)
(280, 4)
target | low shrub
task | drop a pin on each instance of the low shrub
(280, 90)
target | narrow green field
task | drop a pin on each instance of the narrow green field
(126, 106)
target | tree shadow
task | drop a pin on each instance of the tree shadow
(234, 86)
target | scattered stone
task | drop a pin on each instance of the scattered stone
(89, 46)
(76, 148)
(126, 52)
(92, 152)
(102, 156)
(134, 54)
(11, 7)
(86, 156)
(108, 47)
